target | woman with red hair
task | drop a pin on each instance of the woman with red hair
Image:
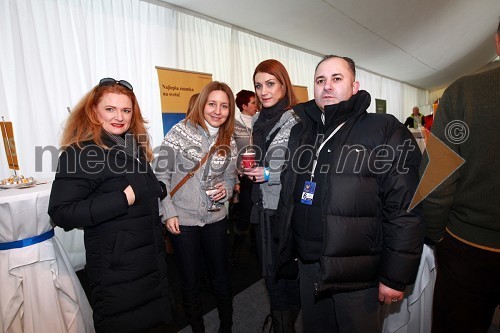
(271, 131)
(105, 185)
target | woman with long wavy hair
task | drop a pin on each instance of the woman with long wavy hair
(195, 214)
(105, 185)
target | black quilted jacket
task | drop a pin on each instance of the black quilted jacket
(368, 236)
(125, 250)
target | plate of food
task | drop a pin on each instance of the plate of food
(17, 182)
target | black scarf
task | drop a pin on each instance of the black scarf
(268, 118)
(126, 143)
(337, 114)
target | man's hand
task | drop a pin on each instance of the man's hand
(388, 295)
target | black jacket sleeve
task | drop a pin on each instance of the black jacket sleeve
(409, 122)
(73, 200)
(403, 230)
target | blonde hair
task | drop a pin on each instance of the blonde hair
(83, 125)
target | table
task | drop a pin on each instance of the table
(419, 137)
(39, 290)
(73, 244)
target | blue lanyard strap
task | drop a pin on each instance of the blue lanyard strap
(27, 241)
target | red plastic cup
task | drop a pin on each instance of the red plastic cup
(248, 160)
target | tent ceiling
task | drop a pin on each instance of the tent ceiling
(425, 43)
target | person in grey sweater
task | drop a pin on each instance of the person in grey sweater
(463, 213)
(198, 233)
(271, 131)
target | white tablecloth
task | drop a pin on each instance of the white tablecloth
(72, 242)
(419, 137)
(39, 290)
(414, 313)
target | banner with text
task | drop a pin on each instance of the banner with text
(176, 88)
(9, 144)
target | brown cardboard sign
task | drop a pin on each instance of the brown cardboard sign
(9, 144)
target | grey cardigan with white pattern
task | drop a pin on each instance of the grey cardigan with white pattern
(183, 146)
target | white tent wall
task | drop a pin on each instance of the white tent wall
(203, 46)
(53, 51)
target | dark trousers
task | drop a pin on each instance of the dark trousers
(244, 206)
(467, 288)
(283, 292)
(349, 312)
(190, 248)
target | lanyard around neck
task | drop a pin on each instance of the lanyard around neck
(321, 147)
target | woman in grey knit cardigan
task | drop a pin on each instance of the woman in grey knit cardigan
(196, 231)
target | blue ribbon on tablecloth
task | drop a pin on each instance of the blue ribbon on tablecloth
(27, 241)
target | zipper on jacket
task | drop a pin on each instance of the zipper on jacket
(316, 289)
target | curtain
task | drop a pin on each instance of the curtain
(204, 46)
(249, 51)
(54, 51)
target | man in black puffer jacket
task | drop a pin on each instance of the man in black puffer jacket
(343, 207)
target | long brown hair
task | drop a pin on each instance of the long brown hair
(83, 125)
(276, 68)
(196, 116)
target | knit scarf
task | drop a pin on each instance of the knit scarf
(268, 118)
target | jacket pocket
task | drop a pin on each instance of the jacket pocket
(118, 249)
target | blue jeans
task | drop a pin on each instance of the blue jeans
(191, 246)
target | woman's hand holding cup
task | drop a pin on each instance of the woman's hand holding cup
(248, 160)
(255, 174)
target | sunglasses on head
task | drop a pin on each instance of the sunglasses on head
(106, 82)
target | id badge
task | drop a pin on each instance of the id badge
(308, 193)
